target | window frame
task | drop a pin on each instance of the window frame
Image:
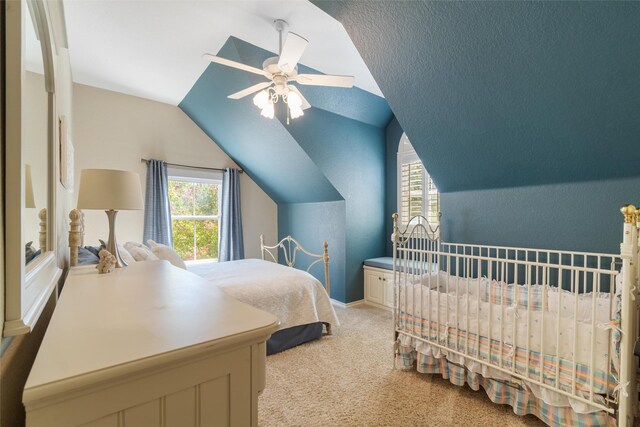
(406, 154)
(194, 180)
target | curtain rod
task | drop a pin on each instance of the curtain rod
(194, 167)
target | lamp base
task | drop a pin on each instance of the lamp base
(112, 245)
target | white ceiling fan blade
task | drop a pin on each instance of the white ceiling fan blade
(234, 64)
(325, 80)
(305, 103)
(249, 90)
(292, 50)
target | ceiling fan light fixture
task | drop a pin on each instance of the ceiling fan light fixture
(280, 71)
(261, 99)
(295, 111)
(268, 110)
(294, 100)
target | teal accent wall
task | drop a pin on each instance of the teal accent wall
(311, 224)
(393, 134)
(325, 170)
(351, 154)
(526, 114)
(582, 216)
(507, 94)
(262, 147)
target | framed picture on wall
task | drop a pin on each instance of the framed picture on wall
(66, 156)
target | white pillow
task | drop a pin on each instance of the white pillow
(140, 252)
(166, 253)
(126, 255)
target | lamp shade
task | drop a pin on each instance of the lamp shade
(109, 189)
(29, 200)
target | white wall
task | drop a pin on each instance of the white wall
(114, 131)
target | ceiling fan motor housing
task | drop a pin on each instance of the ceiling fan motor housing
(270, 65)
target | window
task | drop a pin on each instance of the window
(417, 193)
(194, 217)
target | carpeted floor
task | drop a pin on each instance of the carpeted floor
(347, 380)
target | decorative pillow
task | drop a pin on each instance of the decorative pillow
(29, 252)
(126, 255)
(94, 250)
(86, 256)
(140, 252)
(166, 253)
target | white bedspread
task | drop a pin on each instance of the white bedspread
(294, 296)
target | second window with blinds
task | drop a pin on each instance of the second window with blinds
(417, 193)
(194, 217)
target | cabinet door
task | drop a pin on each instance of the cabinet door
(387, 280)
(374, 289)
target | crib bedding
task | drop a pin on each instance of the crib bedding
(453, 307)
(294, 296)
(469, 306)
(522, 399)
(507, 357)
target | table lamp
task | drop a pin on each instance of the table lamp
(111, 190)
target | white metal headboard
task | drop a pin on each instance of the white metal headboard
(290, 248)
(418, 226)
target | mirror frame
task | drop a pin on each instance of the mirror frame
(27, 288)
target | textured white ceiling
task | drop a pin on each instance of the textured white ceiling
(153, 49)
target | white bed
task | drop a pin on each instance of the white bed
(298, 299)
(294, 296)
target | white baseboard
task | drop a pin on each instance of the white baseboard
(375, 304)
(346, 305)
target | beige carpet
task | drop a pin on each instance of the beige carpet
(347, 380)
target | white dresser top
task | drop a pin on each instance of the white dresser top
(149, 309)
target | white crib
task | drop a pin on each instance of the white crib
(549, 332)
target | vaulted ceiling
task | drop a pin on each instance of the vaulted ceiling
(507, 94)
(153, 49)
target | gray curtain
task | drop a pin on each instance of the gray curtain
(231, 246)
(157, 211)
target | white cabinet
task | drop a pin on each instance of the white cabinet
(148, 345)
(378, 286)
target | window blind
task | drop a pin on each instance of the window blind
(417, 191)
(412, 194)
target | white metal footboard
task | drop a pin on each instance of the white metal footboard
(562, 321)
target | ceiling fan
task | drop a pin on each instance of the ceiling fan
(281, 71)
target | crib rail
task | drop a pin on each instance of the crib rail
(550, 319)
(630, 254)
